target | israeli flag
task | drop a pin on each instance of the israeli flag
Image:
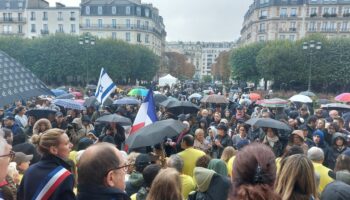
(105, 87)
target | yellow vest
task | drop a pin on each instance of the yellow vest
(324, 178)
(190, 157)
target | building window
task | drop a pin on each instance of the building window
(325, 10)
(313, 12)
(72, 28)
(127, 10)
(139, 37)
(324, 26)
(138, 24)
(261, 38)
(7, 5)
(147, 38)
(114, 23)
(114, 35)
(344, 26)
(72, 16)
(263, 14)
(59, 17)
(283, 12)
(291, 37)
(147, 12)
(100, 23)
(20, 5)
(45, 27)
(282, 37)
(312, 26)
(127, 36)
(334, 10)
(60, 28)
(87, 10)
(114, 10)
(20, 28)
(128, 25)
(264, 1)
(87, 23)
(262, 27)
(45, 16)
(20, 17)
(146, 25)
(293, 12)
(99, 10)
(32, 16)
(138, 11)
(7, 29)
(33, 29)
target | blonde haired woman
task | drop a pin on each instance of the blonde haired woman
(166, 186)
(296, 180)
(50, 178)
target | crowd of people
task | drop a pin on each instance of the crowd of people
(69, 155)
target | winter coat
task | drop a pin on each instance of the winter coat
(336, 190)
(87, 192)
(18, 134)
(334, 152)
(37, 125)
(224, 141)
(211, 186)
(344, 176)
(38, 172)
(134, 183)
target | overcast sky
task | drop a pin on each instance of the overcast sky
(196, 20)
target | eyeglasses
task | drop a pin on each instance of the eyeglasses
(124, 167)
(11, 155)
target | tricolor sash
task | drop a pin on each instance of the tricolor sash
(51, 183)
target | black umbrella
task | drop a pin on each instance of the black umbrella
(108, 102)
(40, 113)
(17, 82)
(335, 106)
(123, 121)
(91, 102)
(267, 123)
(168, 101)
(158, 98)
(182, 107)
(155, 133)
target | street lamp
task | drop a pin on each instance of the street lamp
(311, 46)
(86, 40)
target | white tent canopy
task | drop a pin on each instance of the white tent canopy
(167, 80)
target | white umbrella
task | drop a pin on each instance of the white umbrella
(300, 98)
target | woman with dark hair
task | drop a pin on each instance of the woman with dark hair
(254, 174)
(242, 130)
(271, 139)
(331, 130)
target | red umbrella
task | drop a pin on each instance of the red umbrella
(254, 96)
(344, 97)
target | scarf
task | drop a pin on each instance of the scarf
(270, 140)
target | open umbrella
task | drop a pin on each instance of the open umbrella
(254, 96)
(58, 92)
(108, 102)
(300, 98)
(214, 98)
(273, 103)
(155, 133)
(91, 102)
(77, 94)
(68, 103)
(80, 101)
(158, 98)
(123, 121)
(126, 101)
(195, 95)
(40, 113)
(323, 101)
(335, 106)
(344, 97)
(65, 96)
(182, 107)
(138, 92)
(168, 101)
(267, 123)
(308, 93)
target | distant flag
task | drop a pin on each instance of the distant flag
(146, 114)
(105, 87)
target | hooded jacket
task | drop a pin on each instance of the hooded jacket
(336, 190)
(38, 123)
(219, 166)
(344, 176)
(334, 152)
(211, 186)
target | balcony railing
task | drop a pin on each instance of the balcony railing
(313, 15)
(346, 15)
(13, 20)
(328, 29)
(262, 30)
(292, 29)
(263, 17)
(326, 15)
(72, 18)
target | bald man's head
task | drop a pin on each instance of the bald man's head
(96, 162)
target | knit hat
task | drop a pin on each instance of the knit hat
(320, 134)
(203, 178)
(21, 158)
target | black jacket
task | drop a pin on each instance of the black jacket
(89, 192)
(36, 173)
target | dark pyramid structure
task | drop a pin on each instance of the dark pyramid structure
(17, 82)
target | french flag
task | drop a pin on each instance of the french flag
(146, 114)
